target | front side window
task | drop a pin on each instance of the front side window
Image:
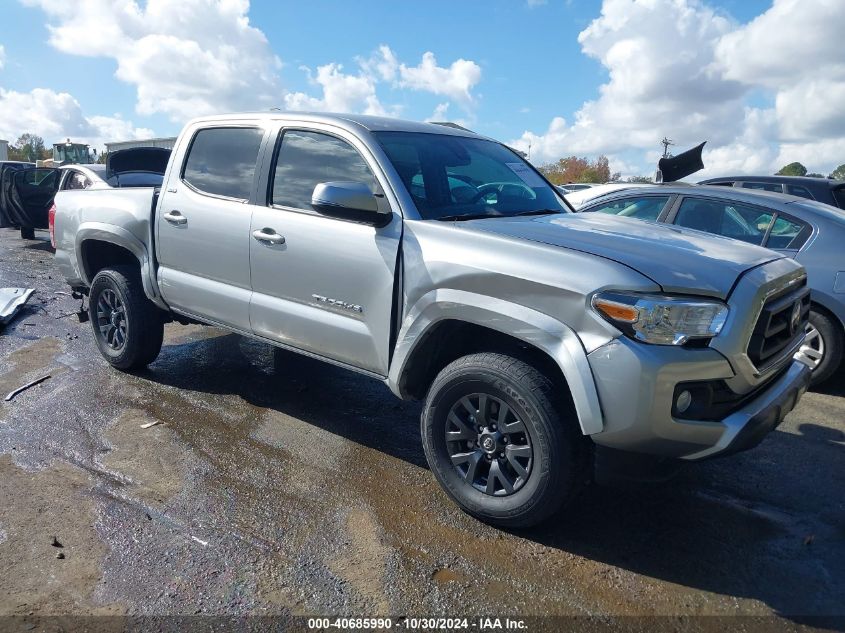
(306, 159)
(221, 161)
(730, 219)
(454, 177)
(640, 207)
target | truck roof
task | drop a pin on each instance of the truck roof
(365, 121)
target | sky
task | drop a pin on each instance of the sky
(762, 81)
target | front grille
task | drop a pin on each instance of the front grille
(777, 330)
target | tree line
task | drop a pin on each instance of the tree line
(29, 148)
(797, 169)
(574, 169)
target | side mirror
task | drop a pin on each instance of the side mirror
(337, 197)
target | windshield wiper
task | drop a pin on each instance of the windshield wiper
(481, 216)
(469, 216)
(538, 212)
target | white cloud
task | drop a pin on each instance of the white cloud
(455, 81)
(57, 115)
(192, 57)
(659, 56)
(440, 113)
(341, 92)
(682, 69)
(356, 92)
(184, 57)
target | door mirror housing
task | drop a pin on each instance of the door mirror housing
(346, 198)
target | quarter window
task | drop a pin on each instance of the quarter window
(642, 207)
(306, 159)
(728, 218)
(221, 161)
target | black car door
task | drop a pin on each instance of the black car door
(7, 215)
(30, 196)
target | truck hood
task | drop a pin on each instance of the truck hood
(679, 260)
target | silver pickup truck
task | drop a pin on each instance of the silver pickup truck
(443, 264)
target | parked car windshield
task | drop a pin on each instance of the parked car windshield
(458, 177)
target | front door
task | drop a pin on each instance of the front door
(203, 224)
(322, 283)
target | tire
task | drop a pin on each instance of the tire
(27, 234)
(558, 465)
(133, 339)
(823, 346)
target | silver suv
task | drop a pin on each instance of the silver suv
(443, 264)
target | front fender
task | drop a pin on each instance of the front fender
(100, 231)
(540, 330)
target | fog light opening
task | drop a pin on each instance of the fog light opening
(683, 402)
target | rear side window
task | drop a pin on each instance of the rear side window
(797, 190)
(765, 186)
(785, 234)
(306, 159)
(730, 219)
(221, 161)
(641, 207)
(76, 180)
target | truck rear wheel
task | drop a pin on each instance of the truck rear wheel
(128, 327)
(27, 234)
(504, 446)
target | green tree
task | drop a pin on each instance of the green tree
(792, 169)
(838, 173)
(579, 169)
(815, 174)
(29, 147)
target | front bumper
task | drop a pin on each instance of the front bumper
(636, 385)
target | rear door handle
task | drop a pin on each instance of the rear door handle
(174, 217)
(269, 236)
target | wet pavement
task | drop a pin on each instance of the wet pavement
(305, 491)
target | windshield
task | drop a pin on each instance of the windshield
(450, 177)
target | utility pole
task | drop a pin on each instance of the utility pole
(529, 150)
(666, 143)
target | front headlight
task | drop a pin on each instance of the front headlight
(662, 320)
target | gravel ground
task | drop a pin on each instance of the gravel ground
(306, 493)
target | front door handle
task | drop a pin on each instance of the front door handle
(268, 235)
(174, 217)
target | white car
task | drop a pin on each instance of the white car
(579, 198)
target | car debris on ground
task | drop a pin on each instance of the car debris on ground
(11, 300)
(22, 388)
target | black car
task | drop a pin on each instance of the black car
(825, 190)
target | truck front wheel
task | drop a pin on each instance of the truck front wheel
(502, 443)
(128, 327)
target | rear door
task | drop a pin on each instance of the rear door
(31, 194)
(328, 287)
(745, 222)
(202, 224)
